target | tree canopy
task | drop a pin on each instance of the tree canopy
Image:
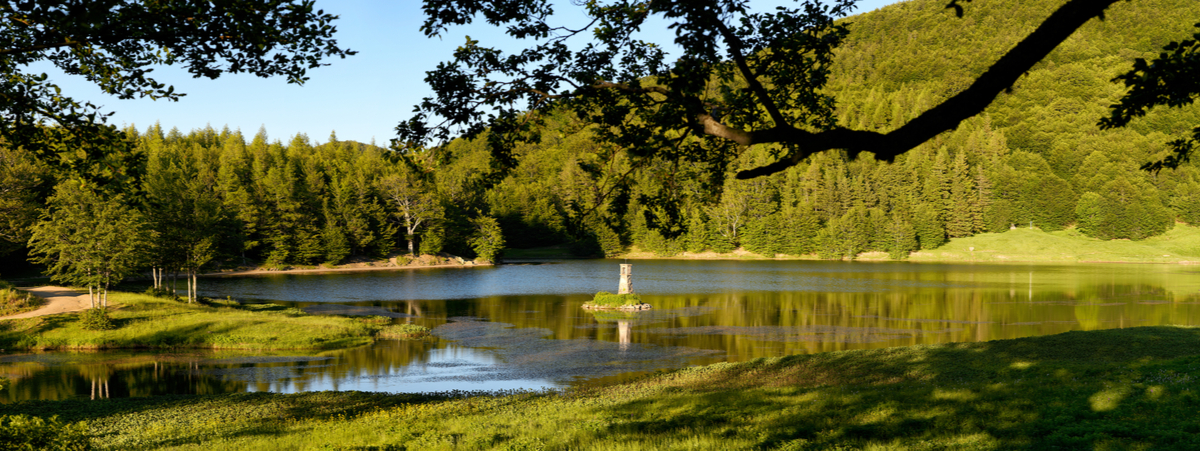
(743, 78)
(116, 44)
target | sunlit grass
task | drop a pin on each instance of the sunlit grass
(1111, 389)
(1182, 243)
(146, 321)
(13, 301)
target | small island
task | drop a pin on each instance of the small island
(608, 301)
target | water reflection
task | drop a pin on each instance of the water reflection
(522, 326)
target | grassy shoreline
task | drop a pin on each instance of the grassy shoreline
(145, 321)
(1180, 245)
(1110, 389)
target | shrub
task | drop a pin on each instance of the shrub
(28, 432)
(606, 299)
(96, 319)
(161, 292)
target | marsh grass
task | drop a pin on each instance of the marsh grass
(402, 331)
(142, 321)
(1110, 389)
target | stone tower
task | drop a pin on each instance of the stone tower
(626, 285)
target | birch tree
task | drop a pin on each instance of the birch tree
(87, 239)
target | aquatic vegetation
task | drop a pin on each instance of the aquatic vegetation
(402, 331)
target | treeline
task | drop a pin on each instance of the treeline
(211, 199)
(300, 203)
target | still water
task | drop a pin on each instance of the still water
(520, 326)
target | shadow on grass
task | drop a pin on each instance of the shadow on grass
(1112, 389)
(192, 418)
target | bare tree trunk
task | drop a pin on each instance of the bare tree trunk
(91, 297)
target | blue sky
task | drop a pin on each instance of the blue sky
(361, 97)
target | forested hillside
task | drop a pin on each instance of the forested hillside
(1035, 158)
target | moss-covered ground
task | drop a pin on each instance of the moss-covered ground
(1133, 388)
(144, 321)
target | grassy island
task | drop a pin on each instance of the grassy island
(606, 301)
(1109, 389)
(143, 321)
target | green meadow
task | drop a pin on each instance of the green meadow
(1180, 244)
(1103, 390)
(143, 321)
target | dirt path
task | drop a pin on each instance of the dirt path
(58, 300)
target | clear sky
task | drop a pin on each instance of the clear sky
(361, 97)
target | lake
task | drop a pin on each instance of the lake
(520, 326)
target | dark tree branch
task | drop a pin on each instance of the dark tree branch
(735, 49)
(943, 117)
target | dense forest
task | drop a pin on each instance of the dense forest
(1035, 159)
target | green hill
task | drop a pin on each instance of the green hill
(1036, 155)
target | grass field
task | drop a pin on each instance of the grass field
(1100, 390)
(146, 321)
(1179, 245)
(13, 301)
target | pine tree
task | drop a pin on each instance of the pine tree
(901, 238)
(961, 217)
(930, 231)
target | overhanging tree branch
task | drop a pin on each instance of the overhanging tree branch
(945, 116)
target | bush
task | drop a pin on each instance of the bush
(27, 432)
(161, 292)
(606, 299)
(96, 319)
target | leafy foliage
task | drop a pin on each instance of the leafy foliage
(609, 300)
(25, 432)
(96, 319)
(89, 240)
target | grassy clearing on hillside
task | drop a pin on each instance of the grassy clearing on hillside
(1111, 389)
(1180, 244)
(146, 321)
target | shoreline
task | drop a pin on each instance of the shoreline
(257, 272)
